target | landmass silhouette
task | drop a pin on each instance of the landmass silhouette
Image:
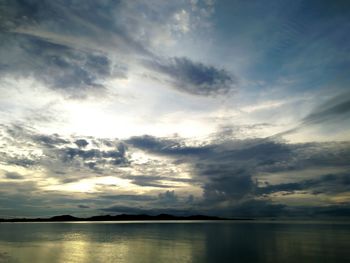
(122, 217)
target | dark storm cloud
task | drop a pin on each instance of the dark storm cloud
(230, 167)
(333, 211)
(258, 208)
(322, 154)
(226, 184)
(228, 170)
(266, 209)
(195, 78)
(225, 168)
(168, 197)
(330, 183)
(225, 178)
(231, 171)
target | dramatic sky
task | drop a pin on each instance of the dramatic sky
(219, 107)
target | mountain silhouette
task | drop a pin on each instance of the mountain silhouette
(122, 217)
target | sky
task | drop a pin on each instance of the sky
(219, 107)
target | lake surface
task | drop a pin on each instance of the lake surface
(169, 242)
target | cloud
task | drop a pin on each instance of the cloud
(149, 181)
(61, 156)
(232, 175)
(115, 157)
(168, 197)
(59, 67)
(18, 187)
(226, 184)
(83, 206)
(332, 211)
(159, 180)
(227, 166)
(195, 78)
(59, 44)
(64, 46)
(49, 140)
(170, 146)
(229, 170)
(13, 176)
(163, 145)
(81, 143)
(138, 198)
(325, 184)
(335, 109)
(81, 24)
(268, 209)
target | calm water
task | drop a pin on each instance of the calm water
(175, 242)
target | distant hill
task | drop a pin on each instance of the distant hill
(122, 217)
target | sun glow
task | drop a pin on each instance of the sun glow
(91, 185)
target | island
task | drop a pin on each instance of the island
(121, 217)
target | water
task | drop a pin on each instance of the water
(219, 242)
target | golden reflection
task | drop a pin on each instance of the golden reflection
(76, 247)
